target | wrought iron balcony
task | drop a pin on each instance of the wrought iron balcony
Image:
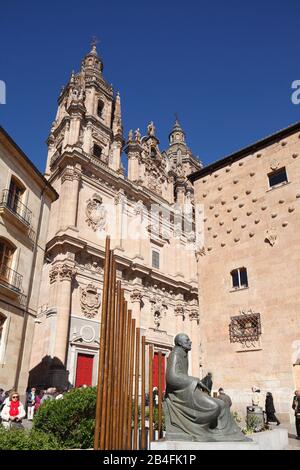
(10, 279)
(14, 205)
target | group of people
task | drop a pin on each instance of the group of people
(256, 401)
(12, 410)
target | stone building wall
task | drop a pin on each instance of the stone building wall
(23, 231)
(248, 224)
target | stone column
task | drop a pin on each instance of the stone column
(69, 196)
(116, 155)
(87, 138)
(136, 297)
(74, 129)
(66, 135)
(137, 226)
(179, 314)
(121, 228)
(66, 272)
(194, 320)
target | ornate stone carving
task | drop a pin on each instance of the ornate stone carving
(138, 208)
(157, 318)
(66, 272)
(53, 274)
(70, 174)
(274, 164)
(151, 128)
(194, 315)
(86, 261)
(130, 135)
(158, 309)
(137, 135)
(90, 301)
(271, 236)
(95, 213)
(120, 198)
(62, 272)
(136, 296)
(179, 311)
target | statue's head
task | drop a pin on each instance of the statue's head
(184, 341)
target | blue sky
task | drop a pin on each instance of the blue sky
(225, 67)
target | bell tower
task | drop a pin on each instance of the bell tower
(88, 118)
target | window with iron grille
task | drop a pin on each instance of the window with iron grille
(245, 327)
(239, 278)
(155, 259)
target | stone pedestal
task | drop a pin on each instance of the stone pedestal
(196, 446)
(276, 439)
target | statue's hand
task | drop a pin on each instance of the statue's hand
(203, 387)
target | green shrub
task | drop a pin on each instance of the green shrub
(21, 439)
(71, 420)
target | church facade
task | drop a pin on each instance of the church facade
(208, 251)
(149, 216)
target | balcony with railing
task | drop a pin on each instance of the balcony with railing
(14, 210)
(10, 281)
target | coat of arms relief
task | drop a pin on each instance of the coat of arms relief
(90, 301)
(95, 213)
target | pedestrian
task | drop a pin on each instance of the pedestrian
(49, 394)
(38, 398)
(207, 381)
(255, 396)
(296, 408)
(30, 402)
(270, 410)
(224, 397)
(155, 396)
(13, 411)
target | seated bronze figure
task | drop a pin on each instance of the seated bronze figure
(190, 412)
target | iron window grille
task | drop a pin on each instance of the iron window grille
(245, 327)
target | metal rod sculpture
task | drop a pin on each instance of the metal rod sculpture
(151, 438)
(159, 395)
(143, 401)
(119, 371)
(136, 388)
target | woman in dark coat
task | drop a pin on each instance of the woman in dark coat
(270, 410)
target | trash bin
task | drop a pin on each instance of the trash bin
(255, 418)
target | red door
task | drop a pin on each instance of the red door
(155, 371)
(84, 370)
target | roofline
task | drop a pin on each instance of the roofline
(23, 155)
(244, 152)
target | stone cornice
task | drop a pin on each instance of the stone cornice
(118, 180)
(66, 241)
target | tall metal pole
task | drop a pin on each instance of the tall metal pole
(116, 367)
(159, 395)
(126, 378)
(102, 346)
(122, 383)
(136, 387)
(143, 404)
(130, 390)
(104, 424)
(150, 393)
(110, 347)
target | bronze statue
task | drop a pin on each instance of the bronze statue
(191, 413)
